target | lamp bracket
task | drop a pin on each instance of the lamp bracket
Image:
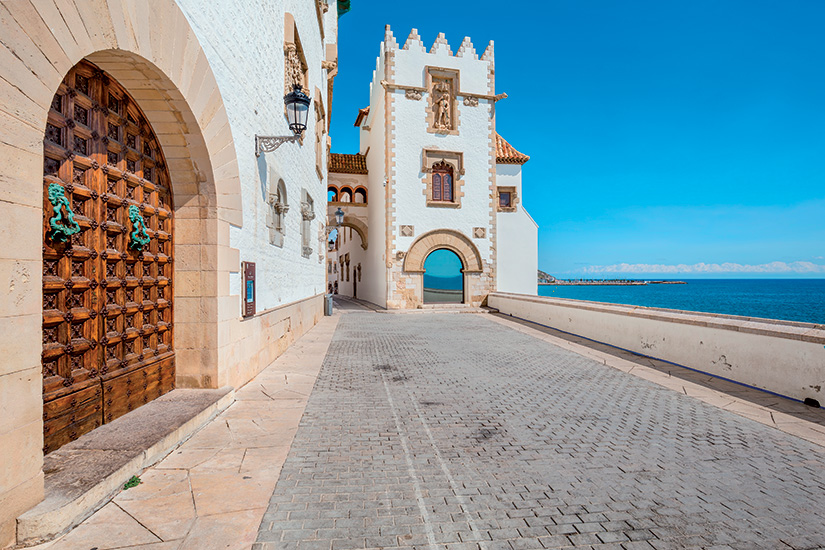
(267, 144)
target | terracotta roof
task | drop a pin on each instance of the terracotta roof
(348, 164)
(362, 114)
(507, 154)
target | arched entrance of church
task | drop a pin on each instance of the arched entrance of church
(107, 258)
(443, 278)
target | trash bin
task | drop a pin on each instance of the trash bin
(328, 304)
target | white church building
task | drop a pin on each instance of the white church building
(431, 174)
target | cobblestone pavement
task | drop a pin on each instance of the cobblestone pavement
(453, 432)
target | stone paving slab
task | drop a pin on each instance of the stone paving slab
(82, 476)
(454, 432)
(212, 492)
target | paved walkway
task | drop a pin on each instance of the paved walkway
(454, 432)
(474, 432)
(212, 492)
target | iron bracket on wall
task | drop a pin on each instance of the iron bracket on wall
(267, 144)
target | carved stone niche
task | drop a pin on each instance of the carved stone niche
(307, 211)
(442, 110)
(294, 68)
(295, 63)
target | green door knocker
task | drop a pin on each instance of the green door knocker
(63, 224)
(138, 237)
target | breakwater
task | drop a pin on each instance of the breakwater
(611, 282)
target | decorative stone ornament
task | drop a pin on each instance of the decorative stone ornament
(60, 230)
(415, 95)
(307, 212)
(294, 69)
(138, 238)
(441, 105)
(471, 101)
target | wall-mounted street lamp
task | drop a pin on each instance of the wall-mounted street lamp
(297, 111)
(339, 216)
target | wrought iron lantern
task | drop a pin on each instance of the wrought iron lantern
(297, 112)
(339, 216)
(297, 109)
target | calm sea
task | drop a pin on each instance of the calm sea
(788, 299)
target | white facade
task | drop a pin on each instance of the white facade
(517, 257)
(249, 72)
(403, 143)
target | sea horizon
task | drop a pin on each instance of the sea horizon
(784, 299)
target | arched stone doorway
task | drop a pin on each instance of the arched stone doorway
(346, 254)
(158, 59)
(443, 278)
(446, 239)
(107, 258)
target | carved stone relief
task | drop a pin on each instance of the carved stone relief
(413, 94)
(307, 211)
(442, 105)
(293, 68)
(407, 230)
(471, 101)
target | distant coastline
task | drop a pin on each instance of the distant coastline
(608, 282)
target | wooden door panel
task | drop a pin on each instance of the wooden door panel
(107, 286)
(133, 386)
(66, 418)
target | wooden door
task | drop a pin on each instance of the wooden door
(107, 259)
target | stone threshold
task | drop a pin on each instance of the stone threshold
(84, 475)
(439, 308)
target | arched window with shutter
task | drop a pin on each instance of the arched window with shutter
(442, 182)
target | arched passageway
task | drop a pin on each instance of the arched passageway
(443, 278)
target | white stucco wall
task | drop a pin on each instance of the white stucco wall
(411, 138)
(374, 270)
(787, 358)
(250, 74)
(517, 254)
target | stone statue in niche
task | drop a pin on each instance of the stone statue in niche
(441, 103)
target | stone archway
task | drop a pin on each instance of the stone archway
(356, 224)
(450, 239)
(157, 58)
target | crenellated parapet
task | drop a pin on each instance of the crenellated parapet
(440, 47)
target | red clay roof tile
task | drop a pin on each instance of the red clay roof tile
(347, 164)
(507, 154)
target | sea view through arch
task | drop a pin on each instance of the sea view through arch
(786, 299)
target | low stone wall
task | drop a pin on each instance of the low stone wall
(259, 340)
(783, 357)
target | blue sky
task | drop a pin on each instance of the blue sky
(677, 138)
